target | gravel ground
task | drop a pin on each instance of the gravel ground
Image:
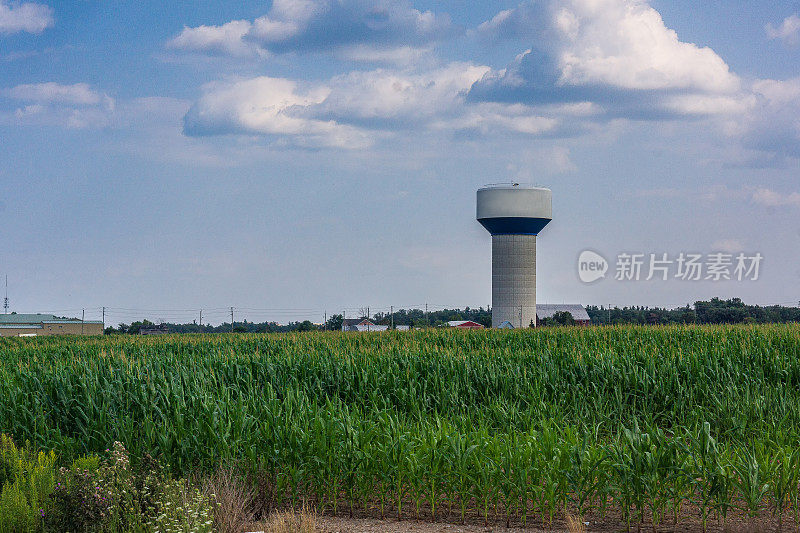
(369, 525)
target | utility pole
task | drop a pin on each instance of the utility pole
(391, 311)
(520, 317)
(427, 317)
(231, 319)
(325, 321)
(201, 318)
(104, 318)
(5, 301)
(609, 314)
(83, 315)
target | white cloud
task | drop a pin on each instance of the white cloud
(264, 106)
(626, 44)
(80, 94)
(399, 96)
(355, 109)
(770, 198)
(618, 54)
(788, 31)
(489, 118)
(363, 30)
(400, 55)
(71, 106)
(707, 105)
(226, 39)
(28, 17)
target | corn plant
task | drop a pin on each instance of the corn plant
(753, 475)
(785, 470)
(491, 422)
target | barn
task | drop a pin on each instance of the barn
(464, 324)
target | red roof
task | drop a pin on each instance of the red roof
(465, 324)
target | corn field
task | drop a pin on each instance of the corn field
(645, 423)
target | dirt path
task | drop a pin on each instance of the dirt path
(369, 525)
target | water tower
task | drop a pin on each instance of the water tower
(514, 214)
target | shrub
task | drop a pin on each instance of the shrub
(180, 509)
(107, 495)
(27, 480)
(96, 495)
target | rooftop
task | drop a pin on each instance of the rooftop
(513, 185)
(15, 318)
(577, 311)
(39, 318)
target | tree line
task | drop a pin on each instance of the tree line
(714, 311)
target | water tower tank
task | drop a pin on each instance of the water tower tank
(514, 214)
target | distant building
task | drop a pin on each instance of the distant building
(160, 329)
(464, 324)
(35, 325)
(577, 311)
(361, 324)
(402, 327)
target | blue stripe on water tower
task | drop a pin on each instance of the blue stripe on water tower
(514, 225)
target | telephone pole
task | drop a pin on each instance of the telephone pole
(325, 321)
(231, 319)
(5, 300)
(104, 318)
(391, 311)
(201, 318)
(83, 315)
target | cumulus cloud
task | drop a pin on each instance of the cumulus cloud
(227, 39)
(389, 97)
(355, 109)
(24, 17)
(72, 106)
(267, 106)
(616, 53)
(357, 29)
(788, 31)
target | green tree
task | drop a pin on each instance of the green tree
(334, 323)
(564, 318)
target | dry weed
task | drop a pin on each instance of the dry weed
(575, 524)
(290, 522)
(233, 497)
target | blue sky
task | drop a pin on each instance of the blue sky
(303, 156)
